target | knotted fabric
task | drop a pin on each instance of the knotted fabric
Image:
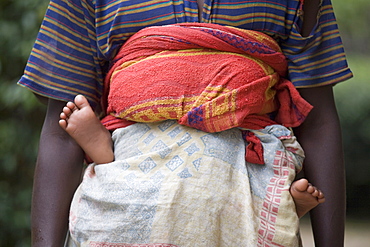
(206, 76)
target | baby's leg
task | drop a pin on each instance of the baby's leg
(80, 122)
(305, 196)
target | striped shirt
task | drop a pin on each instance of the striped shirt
(79, 38)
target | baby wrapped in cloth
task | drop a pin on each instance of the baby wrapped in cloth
(202, 153)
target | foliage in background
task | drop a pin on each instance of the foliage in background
(21, 118)
(353, 20)
(353, 105)
(21, 115)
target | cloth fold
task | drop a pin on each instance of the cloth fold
(205, 76)
(172, 185)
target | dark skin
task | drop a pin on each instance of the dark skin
(57, 176)
(59, 166)
(320, 137)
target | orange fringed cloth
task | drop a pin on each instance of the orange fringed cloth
(206, 76)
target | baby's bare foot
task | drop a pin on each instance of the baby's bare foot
(79, 121)
(305, 196)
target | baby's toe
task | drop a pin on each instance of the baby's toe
(63, 116)
(63, 123)
(72, 106)
(311, 189)
(321, 195)
(315, 193)
(67, 111)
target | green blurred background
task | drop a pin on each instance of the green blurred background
(21, 115)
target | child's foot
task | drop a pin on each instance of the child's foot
(80, 122)
(305, 196)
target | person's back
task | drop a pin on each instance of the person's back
(83, 65)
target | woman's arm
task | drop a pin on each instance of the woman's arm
(320, 137)
(57, 175)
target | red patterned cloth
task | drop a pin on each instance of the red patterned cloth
(206, 76)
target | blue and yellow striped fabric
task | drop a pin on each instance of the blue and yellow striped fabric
(79, 38)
